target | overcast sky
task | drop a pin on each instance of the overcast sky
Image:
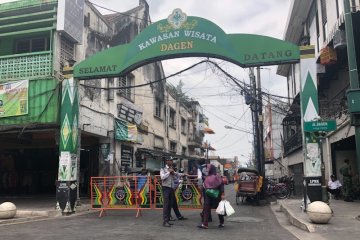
(222, 105)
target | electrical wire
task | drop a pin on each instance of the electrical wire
(124, 14)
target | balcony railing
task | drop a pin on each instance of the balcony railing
(25, 66)
(293, 143)
(195, 141)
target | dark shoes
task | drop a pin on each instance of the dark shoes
(172, 219)
(221, 226)
(348, 200)
(167, 224)
(182, 218)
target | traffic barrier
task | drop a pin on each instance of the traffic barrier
(188, 194)
(140, 192)
(121, 192)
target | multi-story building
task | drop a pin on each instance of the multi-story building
(273, 141)
(36, 42)
(322, 24)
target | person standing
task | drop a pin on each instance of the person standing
(202, 172)
(345, 171)
(212, 181)
(174, 204)
(167, 184)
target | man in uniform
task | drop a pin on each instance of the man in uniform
(345, 171)
(167, 182)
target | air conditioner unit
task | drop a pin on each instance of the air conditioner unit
(339, 39)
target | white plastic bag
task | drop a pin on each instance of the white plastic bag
(229, 210)
(221, 208)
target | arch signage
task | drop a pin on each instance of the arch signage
(186, 36)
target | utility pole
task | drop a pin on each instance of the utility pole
(260, 125)
(255, 118)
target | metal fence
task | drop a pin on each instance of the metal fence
(140, 193)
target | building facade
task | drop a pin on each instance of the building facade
(122, 128)
(322, 24)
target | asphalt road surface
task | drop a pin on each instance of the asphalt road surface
(249, 222)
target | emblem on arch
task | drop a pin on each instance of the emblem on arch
(177, 18)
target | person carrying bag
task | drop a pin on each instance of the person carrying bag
(214, 193)
(224, 208)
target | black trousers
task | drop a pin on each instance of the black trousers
(167, 202)
(335, 192)
(174, 205)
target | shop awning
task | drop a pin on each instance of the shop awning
(160, 154)
(208, 130)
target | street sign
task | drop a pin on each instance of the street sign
(316, 126)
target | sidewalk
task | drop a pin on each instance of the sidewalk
(343, 225)
(33, 208)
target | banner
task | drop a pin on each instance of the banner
(14, 98)
(125, 131)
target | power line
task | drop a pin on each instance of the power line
(128, 15)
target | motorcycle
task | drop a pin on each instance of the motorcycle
(279, 190)
(290, 183)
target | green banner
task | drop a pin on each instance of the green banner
(14, 98)
(125, 131)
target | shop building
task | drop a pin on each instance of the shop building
(322, 24)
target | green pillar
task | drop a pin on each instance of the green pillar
(67, 184)
(353, 73)
(309, 112)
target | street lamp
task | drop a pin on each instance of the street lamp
(241, 130)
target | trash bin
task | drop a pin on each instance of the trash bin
(312, 189)
(66, 194)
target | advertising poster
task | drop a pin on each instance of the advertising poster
(14, 98)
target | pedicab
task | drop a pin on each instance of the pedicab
(248, 185)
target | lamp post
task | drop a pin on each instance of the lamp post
(237, 129)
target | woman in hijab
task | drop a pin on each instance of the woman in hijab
(214, 182)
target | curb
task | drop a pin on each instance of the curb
(30, 215)
(296, 221)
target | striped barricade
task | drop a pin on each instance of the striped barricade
(188, 194)
(121, 192)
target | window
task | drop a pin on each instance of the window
(183, 150)
(172, 147)
(172, 118)
(183, 126)
(324, 19)
(67, 51)
(126, 81)
(110, 91)
(158, 143)
(317, 31)
(29, 45)
(158, 107)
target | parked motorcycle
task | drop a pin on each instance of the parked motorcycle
(289, 181)
(279, 190)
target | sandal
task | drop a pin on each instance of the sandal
(203, 226)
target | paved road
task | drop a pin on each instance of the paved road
(249, 222)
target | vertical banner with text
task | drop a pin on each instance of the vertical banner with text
(67, 183)
(309, 113)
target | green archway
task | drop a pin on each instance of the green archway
(182, 36)
(175, 37)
